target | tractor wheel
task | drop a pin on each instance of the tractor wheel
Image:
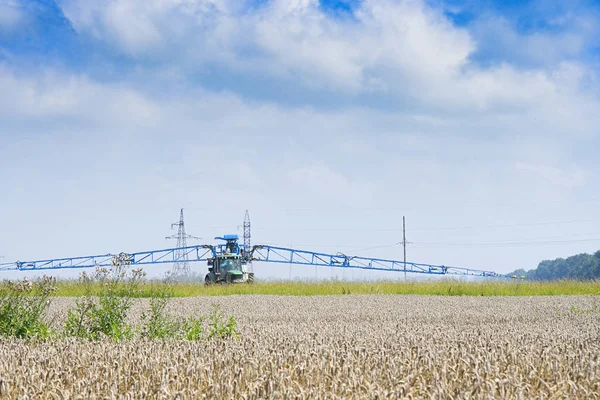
(251, 277)
(207, 280)
(228, 278)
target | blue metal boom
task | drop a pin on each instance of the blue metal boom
(260, 253)
(301, 257)
(165, 256)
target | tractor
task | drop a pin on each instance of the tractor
(229, 263)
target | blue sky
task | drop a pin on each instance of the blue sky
(50, 34)
(329, 120)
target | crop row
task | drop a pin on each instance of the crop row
(355, 346)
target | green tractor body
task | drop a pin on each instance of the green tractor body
(229, 264)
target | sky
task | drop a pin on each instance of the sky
(328, 120)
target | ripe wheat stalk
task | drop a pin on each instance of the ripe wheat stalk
(346, 347)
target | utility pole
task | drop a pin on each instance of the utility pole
(290, 246)
(181, 268)
(404, 243)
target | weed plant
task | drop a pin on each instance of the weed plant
(105, 314)
(23, 306)
(160, 325)
(157, 324)
(103, 310)
(109, 295)
(219, 326)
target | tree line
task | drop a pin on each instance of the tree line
(580, 267)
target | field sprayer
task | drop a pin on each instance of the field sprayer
(229, 263)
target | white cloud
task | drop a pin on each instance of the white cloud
(347, 152)
(393, 52)
(11, 15)
(51, 95)
(293, 40)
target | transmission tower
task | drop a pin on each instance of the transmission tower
(181, 268)
(247, 237)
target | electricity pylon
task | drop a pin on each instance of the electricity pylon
(181, 269)
(247, 239)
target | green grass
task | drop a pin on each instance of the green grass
(333, 287)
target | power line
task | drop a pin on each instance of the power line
(537, 238)
(505, 244)
(378, 247)
(507, 225)
(344, 209)
(430, 245)
(342, 245)
(414, 230)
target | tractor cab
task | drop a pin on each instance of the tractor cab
(224, 268)
(231, 245)
(228, 263)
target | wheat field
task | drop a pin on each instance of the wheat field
(350, 347)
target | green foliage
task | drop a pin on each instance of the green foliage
(158, 325)
(579, 267)
(193, 328)
(220, 327)
(105, 314)
(161, 326)
(101, 313)
(23, 306)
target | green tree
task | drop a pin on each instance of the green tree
(580, 267)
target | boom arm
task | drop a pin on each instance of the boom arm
(165, 256)
(261, 253)
(301, 257)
